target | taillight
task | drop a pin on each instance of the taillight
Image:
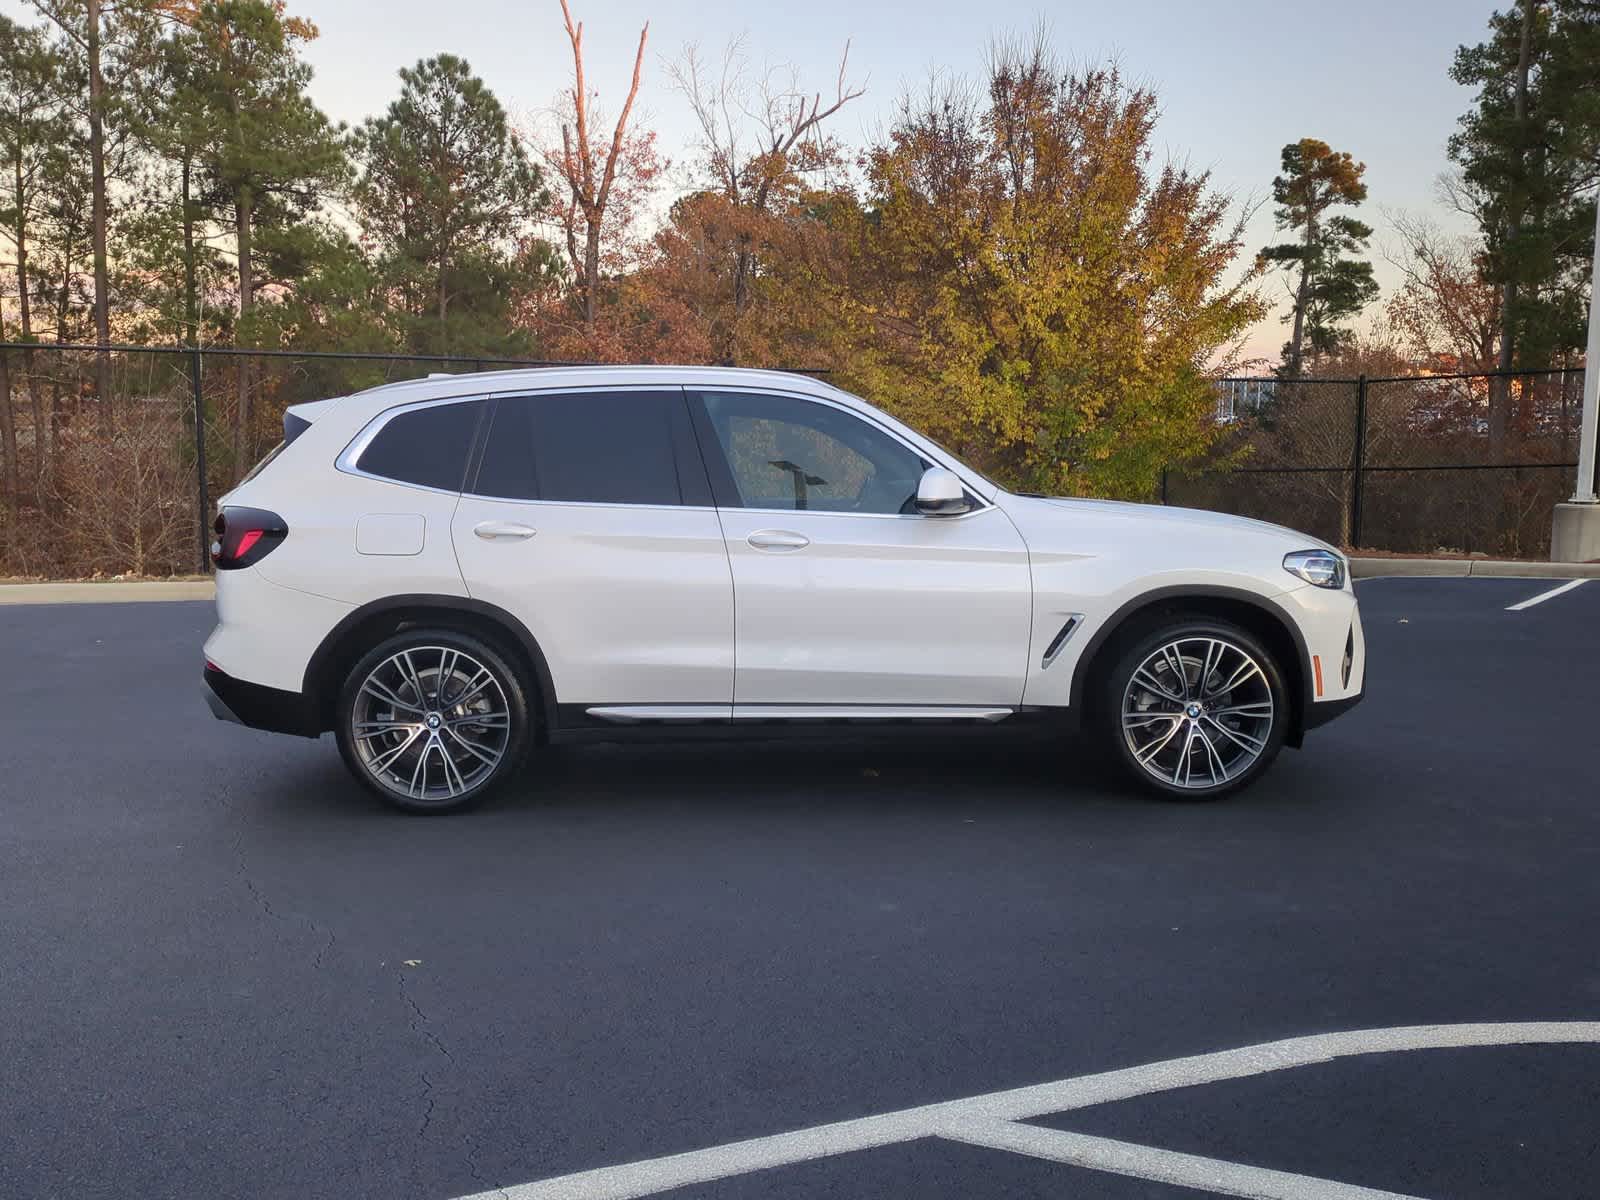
(245, 536)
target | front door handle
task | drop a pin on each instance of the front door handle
(491, 531)
(778, 539)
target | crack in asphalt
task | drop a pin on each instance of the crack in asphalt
(423, 1028)
(419, 1022)
(242, 870)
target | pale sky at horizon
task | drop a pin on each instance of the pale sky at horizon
(1234, 83)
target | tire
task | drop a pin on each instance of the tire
(472, 740)
(1206, 732)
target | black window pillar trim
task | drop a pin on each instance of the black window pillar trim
(724, 491)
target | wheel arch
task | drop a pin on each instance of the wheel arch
(1257, 614)
(368, 625)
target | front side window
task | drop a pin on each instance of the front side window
(584, 447)
(425, 446)
(787, 453)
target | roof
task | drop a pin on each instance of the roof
(520, 378)
(364, 405)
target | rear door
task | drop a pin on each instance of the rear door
(588, 515)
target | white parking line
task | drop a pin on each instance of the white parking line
(1550, 595)
(1160, 1166)
(979, 1117)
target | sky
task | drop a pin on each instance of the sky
(1237, 78)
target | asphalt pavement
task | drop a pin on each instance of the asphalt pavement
(229, 972)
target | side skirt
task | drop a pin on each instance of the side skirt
(681, 722)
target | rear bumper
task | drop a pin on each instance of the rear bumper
(258, 706)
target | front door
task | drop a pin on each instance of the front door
(845, 594)
(589, 517)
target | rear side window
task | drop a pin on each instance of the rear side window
(426, 446)
(587, 447)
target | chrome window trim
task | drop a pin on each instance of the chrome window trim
(349, 460)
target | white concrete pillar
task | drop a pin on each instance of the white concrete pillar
(1575, 530)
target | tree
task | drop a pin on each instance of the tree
(1331, 286)
(1019, 282)
(268, 152)
(33, 124)
(449, 196)
(107, 42)
(1445, 310)
(1529, 153)
(166, 244)
(765, 148)
(590, 171)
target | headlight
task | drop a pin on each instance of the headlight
(1320, 568)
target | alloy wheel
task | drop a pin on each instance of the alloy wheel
(1198, 712)
(430, 723)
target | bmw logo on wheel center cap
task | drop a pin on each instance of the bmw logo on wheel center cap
(432, 720)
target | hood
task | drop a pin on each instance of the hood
(1152, 540)
(1191, 517)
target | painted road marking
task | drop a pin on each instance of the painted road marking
(1550, 595)
(1161, 1166)
(978, 1117)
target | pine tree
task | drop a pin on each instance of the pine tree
(1331, 286)
(268, 154)
(33, 123)
(450, 196)
(1529, 153)
(107, 45)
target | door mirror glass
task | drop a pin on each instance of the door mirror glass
(940, 494)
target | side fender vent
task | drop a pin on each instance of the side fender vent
(1056, 643)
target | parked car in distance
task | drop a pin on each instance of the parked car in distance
(450, 572)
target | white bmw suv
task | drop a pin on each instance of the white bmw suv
(449, 572)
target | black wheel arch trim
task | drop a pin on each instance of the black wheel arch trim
(1264, 604)
(315, 685)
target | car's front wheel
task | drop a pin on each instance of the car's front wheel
(1198, 708)
(433, 719)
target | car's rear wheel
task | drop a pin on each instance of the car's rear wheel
(1198, 708)
(433, 719)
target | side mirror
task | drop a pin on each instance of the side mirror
(940, 494)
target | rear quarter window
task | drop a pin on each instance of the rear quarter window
(427, 447)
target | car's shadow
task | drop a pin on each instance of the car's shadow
(938, 773)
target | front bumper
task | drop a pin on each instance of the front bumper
(1321, 714)
(258, 706)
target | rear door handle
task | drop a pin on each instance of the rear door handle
(778, 539)
(491, 531)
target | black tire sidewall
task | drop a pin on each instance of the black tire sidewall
(1140, 648)
(511, 682)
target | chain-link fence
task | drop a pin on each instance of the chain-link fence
(1423, 464)
(104, 473)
